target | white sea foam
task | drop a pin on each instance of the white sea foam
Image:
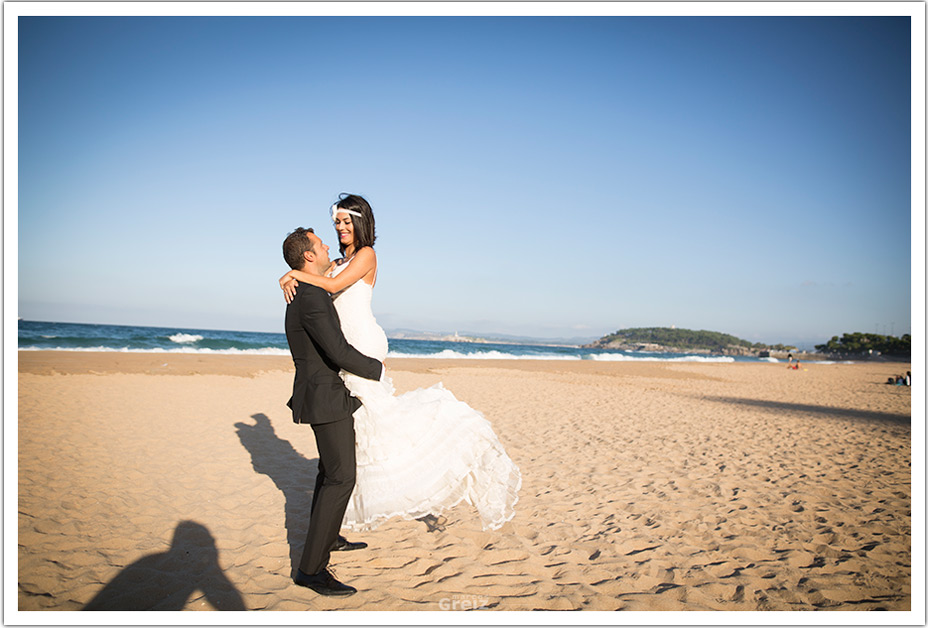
(769, 360)
(449, 354)
(185, 338)
(621, 357)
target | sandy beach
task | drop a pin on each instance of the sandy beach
(171, 481)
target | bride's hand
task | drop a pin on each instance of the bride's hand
(290, 290)
(288, 284)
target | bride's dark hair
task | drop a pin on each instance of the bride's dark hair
(363, 225)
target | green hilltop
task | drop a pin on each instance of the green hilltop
(861, 344)
(678, 340)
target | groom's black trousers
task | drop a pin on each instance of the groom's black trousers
(334, 483)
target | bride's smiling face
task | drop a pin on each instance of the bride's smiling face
(344, 228)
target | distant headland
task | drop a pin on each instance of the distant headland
(468, 336)
(673, 340)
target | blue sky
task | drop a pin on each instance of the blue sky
(547, 177)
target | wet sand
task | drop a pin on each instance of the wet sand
(171, 481)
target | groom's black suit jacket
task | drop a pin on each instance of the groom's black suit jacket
(319, 350)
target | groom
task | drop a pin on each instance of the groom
(321, 399)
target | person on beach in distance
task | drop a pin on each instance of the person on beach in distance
(320, 398)
(419, 453)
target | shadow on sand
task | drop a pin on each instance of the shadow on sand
(845, 413)
(290, 471)
(165, 581)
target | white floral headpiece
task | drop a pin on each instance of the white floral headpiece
(341, 210)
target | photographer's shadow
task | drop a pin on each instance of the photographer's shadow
(290, 471)
(165, 581)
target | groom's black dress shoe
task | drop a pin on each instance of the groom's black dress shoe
(344, 545)
(323, 583)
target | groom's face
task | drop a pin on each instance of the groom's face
(320, 253)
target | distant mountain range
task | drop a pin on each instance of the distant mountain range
(472, 336)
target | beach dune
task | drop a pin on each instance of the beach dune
(171, 481)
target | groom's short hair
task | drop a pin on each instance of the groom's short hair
(295, 245)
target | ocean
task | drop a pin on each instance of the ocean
(44, 336)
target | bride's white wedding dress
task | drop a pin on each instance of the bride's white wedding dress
(422, 452)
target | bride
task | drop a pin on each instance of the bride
(419, 453)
